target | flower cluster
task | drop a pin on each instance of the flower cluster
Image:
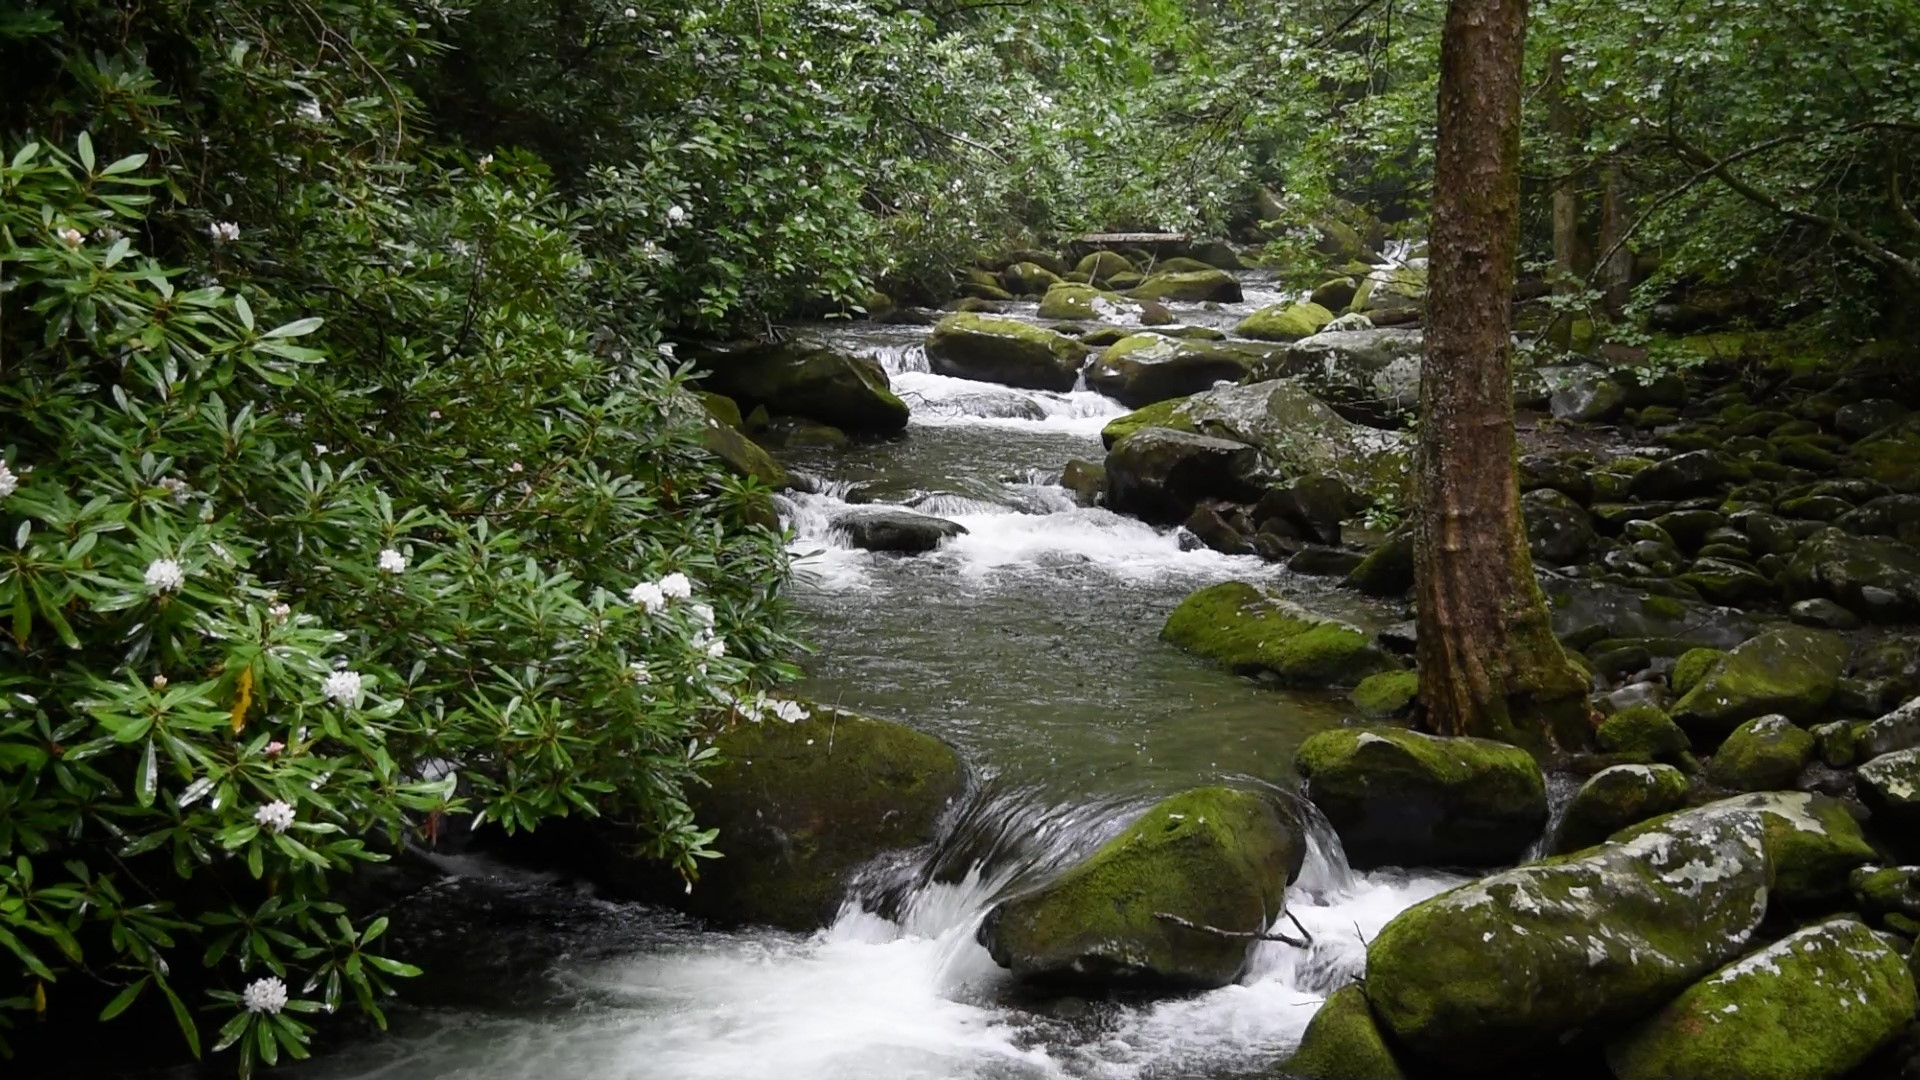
(268, 995)
(223, 232)
(9, 483)
(276, 816)
(343, 687)
(165, 576)
(392, 562)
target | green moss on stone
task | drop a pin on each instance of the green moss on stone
(1343, 1042)
(1787, 670)
(1618, 797)
(1813, 1005)
(1067, 300)
(1005, 351)
(1285, 322)
(1192, 286)
(1693, 665)
(1642, 732)
(1160, 414)
(1250, 633)
(1388, 694)
(1763, 754)
(1214, 856)
(1812, 842)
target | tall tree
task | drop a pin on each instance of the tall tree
(1489, 663)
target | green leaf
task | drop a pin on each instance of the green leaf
(123, 999)
(146, 778)
(86, 151)
(296, 328)
(188, 1029)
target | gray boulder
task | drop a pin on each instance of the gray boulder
(1876, 578)
(1007, 351)
(1791, 670)
(1374, 374)
(1160, 475)
(1143, 369)
(884, 529)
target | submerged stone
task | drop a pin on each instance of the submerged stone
(1400, 798)
(1249, 632)
(1812, 1006)
(1216, 857)
(877, 529)
(1517, 964)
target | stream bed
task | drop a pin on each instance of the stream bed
(1030, 644)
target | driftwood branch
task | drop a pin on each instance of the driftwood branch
(1301, 942)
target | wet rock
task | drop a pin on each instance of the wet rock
(1875, 578)
(1815, 507)
(1371, 374)
(1085, 303)
(1768, 533)
(1896, 516)
(1615, 798)
(1317, 561)
(1400, 798)
(1813, 842)
(1559, 533)
(799, 812)
(1147, 368)
(741, 455)
(791, 432)
(805, 379)
(1824, 615)
(1218, 529)
(1763, 754)
(1311, 507)
(1086, 479)
(1789, 670)
(1702, 472)
(1249, 632)
(1284, 322)
(1835, 744)
(1864, 418)
(1004, 351)
(1387, 695)
(1890, 786)
(1215, 857)
(1812, 1006)
(1898, 730)
(880, 529)
(1586, 395)
(1539, 471)
(1387, 570)
(1101, 265)
(1635, 695)
(1689, 528)
(1692, 666)
(1160, 475)
(1724, 581)
(1192, 286)
(1586, 611)
(1335, 294)
(1343, 1042)
(1644, 733)
(1296, 435)
(1028, 279)
(1515, 965)
(1879, 891)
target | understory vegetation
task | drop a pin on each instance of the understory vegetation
(349, 482)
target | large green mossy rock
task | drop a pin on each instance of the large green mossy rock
(1343, 1042)
(1193, 286)
(1248, 632)
(1513, 966)
(801, 806)
(1374, 374)
(741, 455)
(1143, 369)
(1812, 1006)
(1643, 733)
(1101, 265)
(1295, 433)
(1387, 695)
(808, 380)
(1813, 843)
(1763, 754)
(1615, 798)
(1400, 798)
(1215, 857)
(1004, 351)
(1790, 670)
(1890, 786)
(1284, 322)
(1387, 570)
(1083, 303)
(1160, 475)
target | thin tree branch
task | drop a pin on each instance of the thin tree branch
(1305, 939)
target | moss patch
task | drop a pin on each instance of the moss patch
(1388, 694)
(1693, 665)
(1787, 670)
(1250, 633)
(1342, 1042)
(1285, 322)
(1644, 733)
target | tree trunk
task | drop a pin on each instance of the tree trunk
(1568, 256)
(1616, 278)
(1489, 663)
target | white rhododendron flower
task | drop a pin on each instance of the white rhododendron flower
(791, 711)
(165, 575)
(675, 586)
(647, 596)
(276, 816)
(676, 215)
(72, 237)
(9, 483)
(392, 561)
(717, 648)
(343, 687)
(310, 111)
(640, 673)
(224, 232)
(177, 489)
(704, 613)
(268, 995)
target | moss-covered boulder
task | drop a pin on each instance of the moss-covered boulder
(1343, 1042)
(1215, 857)
(1897, 730)
(1160, 475)
(1373, 375)
(741, 455)
(806, 379)
(1387, 695)
(1763, 754)
(1101, 265)
(1812, 1006)
(1514, 965)
(1586, 611)
(1812, 841)
(1615, 798)
(1294, 433)
(1890, 786)
(1400, 798)
(1285, 322)
(1692, 666)
(1028, 279)
(1004, 351)
(798, 812)
(1644, 733)
(1144, 369)
(1249, 632)
(1790, 670)
(1068, 300)
(1874, 577)
(1192, 286)
(1387, 570)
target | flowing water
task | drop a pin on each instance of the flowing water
(1030, 644)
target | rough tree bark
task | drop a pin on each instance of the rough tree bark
(1616, 276)
(1489, 663)
(1569, 254)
